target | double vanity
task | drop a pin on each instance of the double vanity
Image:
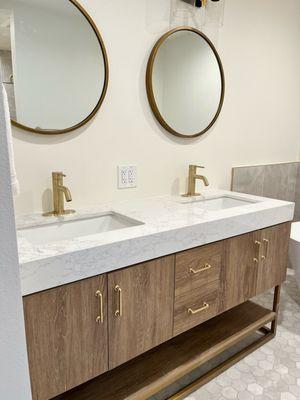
(127, 298)
(124, 299)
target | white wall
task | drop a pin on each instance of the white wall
(14, 376)
(259, 47)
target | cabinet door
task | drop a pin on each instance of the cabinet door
(140, 308)
(239, 276)
(66, 345)
(273, 257)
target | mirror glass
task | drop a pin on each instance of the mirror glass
(185, 82)
(53, 62)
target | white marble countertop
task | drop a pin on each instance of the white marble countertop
(170, 224)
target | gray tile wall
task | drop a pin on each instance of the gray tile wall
(278, 181)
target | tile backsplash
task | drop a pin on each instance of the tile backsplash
(278, 181)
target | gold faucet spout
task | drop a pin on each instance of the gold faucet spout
(66, 192)
(203, 179)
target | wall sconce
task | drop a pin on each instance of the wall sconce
(205, 15)
(199, 3)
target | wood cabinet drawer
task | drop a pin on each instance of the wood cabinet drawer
(198, 266)
(196, 306)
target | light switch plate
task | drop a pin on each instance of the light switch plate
(127, 176)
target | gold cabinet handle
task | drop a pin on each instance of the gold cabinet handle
(100, 317)
(119, 310)
(198, 271)
(193, 312)
(266, 243)
(257, 244)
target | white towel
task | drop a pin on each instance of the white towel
(14, 179)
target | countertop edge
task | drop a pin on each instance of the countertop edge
(47, 273)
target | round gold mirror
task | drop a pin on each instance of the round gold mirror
(185, 82)
(54, 64)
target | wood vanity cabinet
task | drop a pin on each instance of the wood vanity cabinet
(273, 257)
(67, 327)
(66, 345)
(254, 263)
(81, 330)
(240, 275)
(140, 308)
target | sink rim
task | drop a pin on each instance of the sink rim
(197, 200)
(56, 220)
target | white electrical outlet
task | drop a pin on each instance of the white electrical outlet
(132, 172)
(127, 176)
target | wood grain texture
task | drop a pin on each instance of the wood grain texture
(148, 300)
(194, 299)
(272, 270)
(66, 346)
(239, 276)
(196, 259)
(144, 376)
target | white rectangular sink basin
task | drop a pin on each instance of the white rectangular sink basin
(221, 203)
(67, 230)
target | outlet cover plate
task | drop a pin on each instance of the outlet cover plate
(127, 176)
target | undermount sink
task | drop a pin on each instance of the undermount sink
(66, 230)
(220, 203)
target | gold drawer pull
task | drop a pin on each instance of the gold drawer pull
(100, 317)
(119, 310)
(204, 307)
(257, 244)
(266, 243)
(197, 271)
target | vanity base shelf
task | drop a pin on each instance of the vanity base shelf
(153, 371)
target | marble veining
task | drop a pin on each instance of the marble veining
(170, 225)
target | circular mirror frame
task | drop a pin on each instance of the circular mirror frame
(149, 84)
(103, 90)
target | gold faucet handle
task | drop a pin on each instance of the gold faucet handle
(59, 174)
(196, 166)
(199, 166)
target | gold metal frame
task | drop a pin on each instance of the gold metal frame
(103, 90)
(149, 85)
(267, 335)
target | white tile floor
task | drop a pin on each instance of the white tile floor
(270, 373)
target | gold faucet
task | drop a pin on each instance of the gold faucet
(59, 192)
(192, 181)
